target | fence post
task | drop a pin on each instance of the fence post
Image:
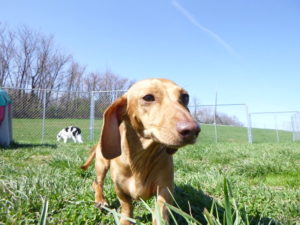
(276, 128)
(92, 116)
(248, 116)
(215, 119)
(293, 128)
(44, 115)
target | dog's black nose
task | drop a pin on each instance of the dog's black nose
(188, 129)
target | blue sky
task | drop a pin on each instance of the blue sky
(248, 51)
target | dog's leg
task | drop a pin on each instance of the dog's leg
(126, 207)
(65, 139)
(74, 139)
(163, 197)
(79, 138)
(101, 167)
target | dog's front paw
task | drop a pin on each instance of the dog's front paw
(101, 204)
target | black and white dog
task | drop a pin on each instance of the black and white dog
(70, 132)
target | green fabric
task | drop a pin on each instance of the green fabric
(4, 98)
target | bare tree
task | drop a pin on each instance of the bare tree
(92, 82)
(111, 81)
(57, 70)
(75, 77)
(26, 47)
(74, 84)
(42, 62)
(38, 63)
(7, 50)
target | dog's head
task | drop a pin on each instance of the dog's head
(156, 109)
(58, 136)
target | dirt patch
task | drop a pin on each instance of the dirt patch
(40, 158)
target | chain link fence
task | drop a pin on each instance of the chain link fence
(223, 122)
(274, 126)
(38, 115)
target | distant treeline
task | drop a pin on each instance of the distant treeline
(207, 116)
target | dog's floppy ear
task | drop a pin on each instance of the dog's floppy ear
(110, 137)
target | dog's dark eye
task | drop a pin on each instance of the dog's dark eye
(149, 98)
(184, 98)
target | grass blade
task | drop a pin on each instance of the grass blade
(227, 204)
(43, 217)
(185, 215)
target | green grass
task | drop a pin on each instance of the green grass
(41, 182)
(239, 134)
(30, 130)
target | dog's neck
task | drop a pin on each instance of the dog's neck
(143, 153)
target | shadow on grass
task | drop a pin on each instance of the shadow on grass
(194, 202)
(16, 145)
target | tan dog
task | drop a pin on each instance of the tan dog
(141, 131)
